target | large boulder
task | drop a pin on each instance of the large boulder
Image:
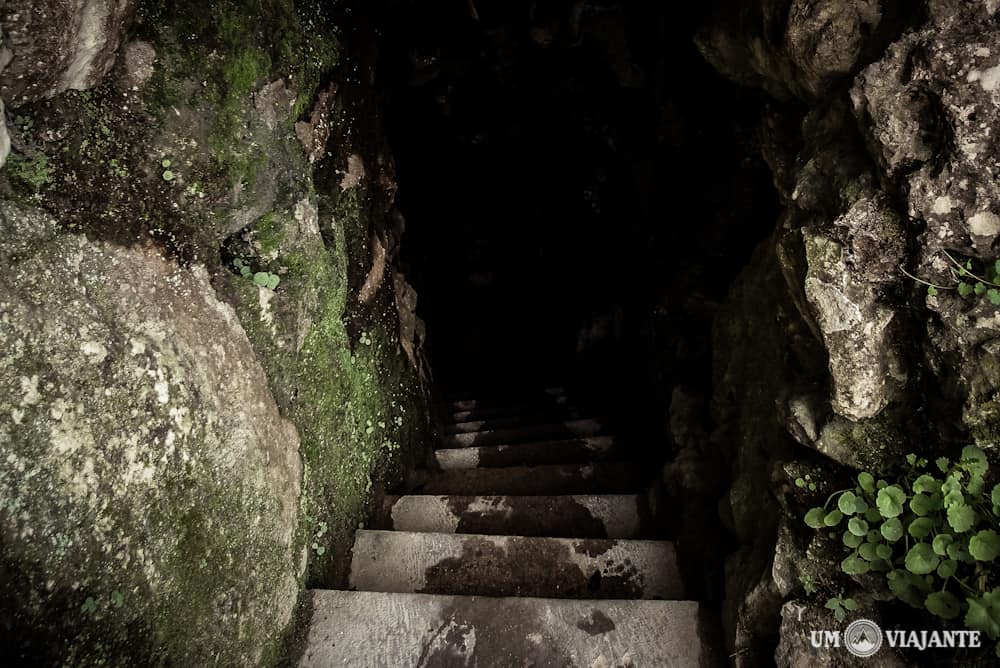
(149, 489)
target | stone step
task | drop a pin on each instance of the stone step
(547, 412)
(350, 628)
(573, 451)
(556, 479)
(548, 396)
(581, 516)
(551, 431)
(520, 420)
(474, 564)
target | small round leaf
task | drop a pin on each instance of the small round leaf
(867, 482)
(947, 568)
(833, 518)
(944, 604)
(921, 559)
(814, 518)
(892, 530)
(920, 527)
(853, 565)
(926, 484)
(941, 543)
(857, 526)
(846, 503)
(961, 517)
(890, 501)
(852, 541)
(985, 545)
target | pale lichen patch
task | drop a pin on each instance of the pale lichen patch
(985, 224)
(29, 390)
(94, 350)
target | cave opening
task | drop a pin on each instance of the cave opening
(578, 184)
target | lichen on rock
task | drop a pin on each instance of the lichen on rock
(149, 480)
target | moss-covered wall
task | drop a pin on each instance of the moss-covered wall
(236, 138)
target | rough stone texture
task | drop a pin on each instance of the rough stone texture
(594, 516)
(150, 487)
(927, 110)
(185, 153)
(891, 161)
(438, 563)
(50, 47)
(4, 136)
(797, 48)
(410, 630)
(800, 618)
(857, 330)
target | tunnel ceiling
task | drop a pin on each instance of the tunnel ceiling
(559, 161)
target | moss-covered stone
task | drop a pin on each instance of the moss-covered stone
(150, 487)
(871, 445)
(196, 161)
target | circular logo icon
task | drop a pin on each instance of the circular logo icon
(863, 638)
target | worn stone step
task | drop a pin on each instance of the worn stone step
(539, 432)
(552, 411)
(519, 420)
(548, 396)
(579, 516)
(474, 564)
(555, 479)
(572, 451)
(352, 628)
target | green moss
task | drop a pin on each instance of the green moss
(870, 444)
(268, 232)
(30, 172)
(983, 422)
(354, 402)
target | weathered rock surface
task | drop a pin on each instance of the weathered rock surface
(150, 486)
(888, 172)
(795, 49)
(799, 619)
(50, 47)
(234, 433)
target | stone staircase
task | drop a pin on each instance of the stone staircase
(529, 547)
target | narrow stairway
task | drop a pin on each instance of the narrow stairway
(529, 547)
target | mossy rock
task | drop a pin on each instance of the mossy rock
(150, 487)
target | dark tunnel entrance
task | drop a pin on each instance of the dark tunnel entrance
(574, 176)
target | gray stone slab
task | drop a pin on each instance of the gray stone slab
(465, 421)
(555, 430)
(556, 479)
(439, 563)
(377, 630)
(528, 454)
(577, 516)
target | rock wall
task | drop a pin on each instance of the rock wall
(211, 363)
(879, 135)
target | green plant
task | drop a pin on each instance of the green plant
(264, 279)
(32, 172)
(968, 282)
(932, 532)
(841, 606)
(320, 532)
(241, 266)
(805, 483)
